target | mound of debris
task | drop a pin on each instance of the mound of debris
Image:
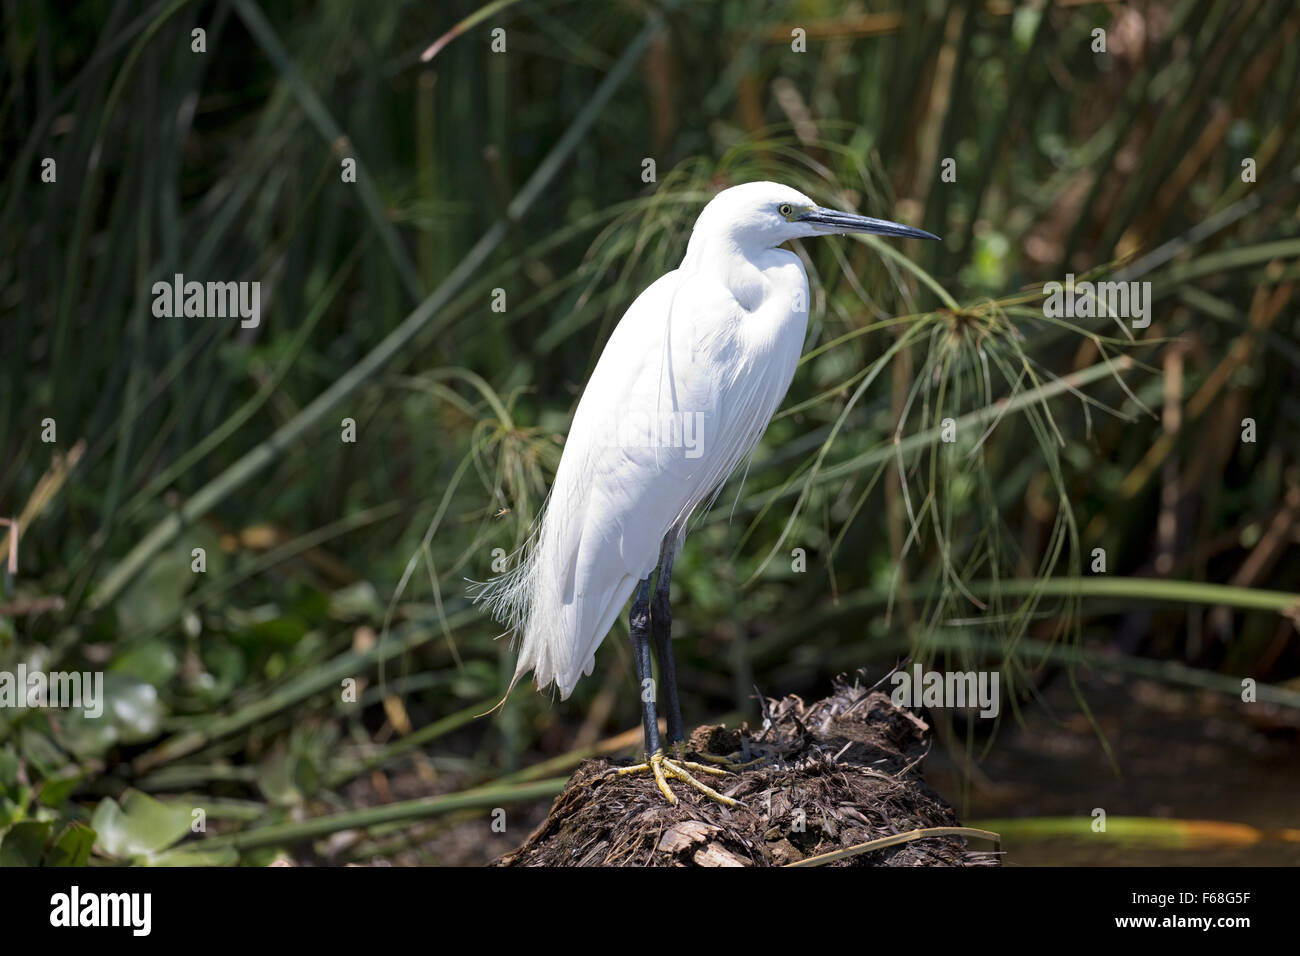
(836, 774)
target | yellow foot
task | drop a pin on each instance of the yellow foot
(663, 768)
(728, 763)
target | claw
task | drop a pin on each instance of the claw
(663, 767)
(731, 764)
(721, 761)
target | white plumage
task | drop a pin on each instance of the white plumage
(707, 352)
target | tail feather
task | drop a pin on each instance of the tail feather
(558, 601)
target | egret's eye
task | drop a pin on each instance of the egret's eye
(785, 209)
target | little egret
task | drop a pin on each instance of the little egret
(683, 391)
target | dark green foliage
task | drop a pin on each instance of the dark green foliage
(329, 561)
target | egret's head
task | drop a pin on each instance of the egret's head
(764, 215)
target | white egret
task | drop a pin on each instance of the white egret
(683, 391)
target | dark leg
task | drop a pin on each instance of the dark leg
(656, 763)
(639, 625)
(661, 621)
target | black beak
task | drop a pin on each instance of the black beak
(850, 222)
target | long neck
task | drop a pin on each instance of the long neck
(735, 266)
(709, 247)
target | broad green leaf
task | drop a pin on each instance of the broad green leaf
(72, 846)
(140, 825)
(155, 599)
(24, 843)
(13, 807)
(153, 662)
(56, 790)
(132, 713)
